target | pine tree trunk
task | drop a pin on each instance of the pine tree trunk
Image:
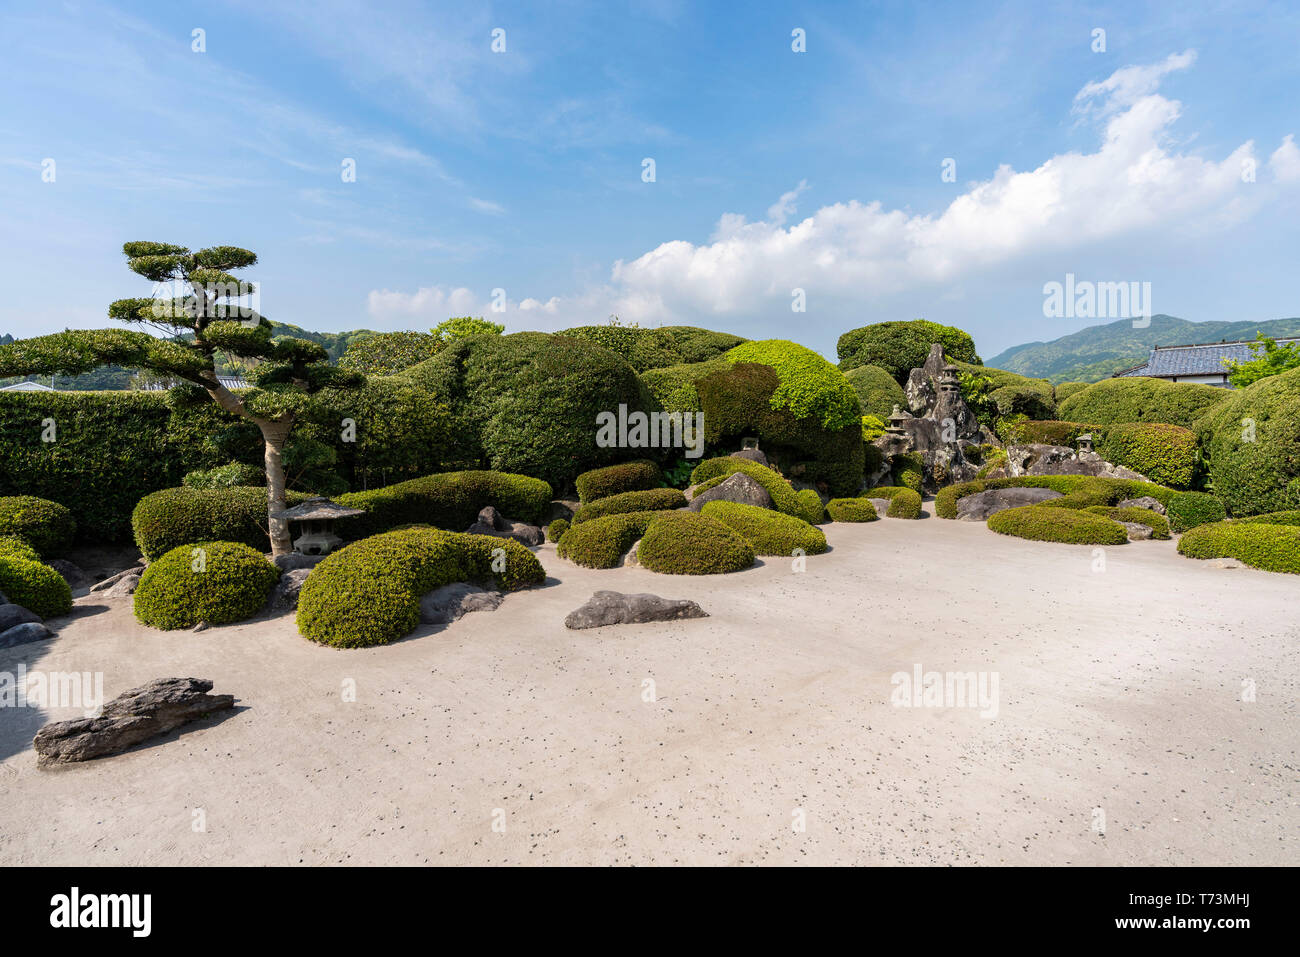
(274, 435)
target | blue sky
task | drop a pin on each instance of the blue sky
(775, 170)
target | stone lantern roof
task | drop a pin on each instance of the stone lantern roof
(317, 509)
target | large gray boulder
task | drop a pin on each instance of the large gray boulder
(296, 561)
(130, 718)
(978, 507)
(444, 605)
(491, 522)
(736, 488)
(284, 596)
(23, 634)
(1137, 532)
(11, 615)
(616, 608)
(754, 455)
(1038, 459)
(109, 587)
(1146, 501)
(76, 578)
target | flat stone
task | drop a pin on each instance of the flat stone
(1146, 501)
(444, 605)
(23, 634)
(616, 608)
(296, 561)
(882, 505)
(978, 507)
(12, 614)
(1137, 532)
(112, 580)
(130, 718)
(737, 488)
(754, 455)
(284, 596)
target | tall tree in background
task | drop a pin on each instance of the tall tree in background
(203, 316)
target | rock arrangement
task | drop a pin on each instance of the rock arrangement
(444, 605)
(129, 719)
(736, 488)
(19, 625)
(616, 608)
(491, 522)
(1038, 459)
(978, 507)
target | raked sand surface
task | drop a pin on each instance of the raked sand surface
(1118, 690)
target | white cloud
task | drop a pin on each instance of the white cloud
(1127, 85)
(1285, 161)
(785, 207)
(487, 206)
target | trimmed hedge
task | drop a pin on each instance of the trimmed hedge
(1187, 510)
(47, 526)
(877, 391)
(555, 531)
(635, 476)
(1041, 524)
(783, 494)
(1056, 432)
(38, 588)
(1158, 524)
(369, 592)
(995, 393)
(903, 502)
(675, 386)
(689, 543)
(647, 500)
(1078, 491)
(602, 542)
(769, 532)
(1066, 389)
(11, 547)
(811, 509)
(900, 347)
(909, 471)
(1141, 399)
(216, 582)
(851, 510)
(450, 500)
(181, 516)
(810, 387)
(1166, 454)
(1289, 517)
(647, 349)
(1272, 548)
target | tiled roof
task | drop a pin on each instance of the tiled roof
(1205, 359)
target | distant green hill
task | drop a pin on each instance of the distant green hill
(1099, 351)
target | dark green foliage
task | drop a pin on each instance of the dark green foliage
(688, 543)
(1078, 491)
(737, 400)
(1252, 441)
(646, 500)
(450, 500)
(46, 526)
(602, 542)
(1158, 524)
(675, 387)
(1187, 510)
(903, 502)
(38, 588)
(369, 592)
(1141, 399)
(528, 402)
(811, 508)
(555, 531)
(216, 582)
(226, 476)
(173, 517)
(1058, 525)
(1165, 454)
(995, 394)
(647, 349)
(1288, 517)
(768, 532)
(614, 479)
(851, 510)
(900, 347)
(384, 353)
(1273, 548)
(877, 391)
(909, 471)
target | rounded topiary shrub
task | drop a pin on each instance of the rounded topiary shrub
(811, 508)
(646, 500)
(14, 547)
(877, 391)
(449, 500)
(1186, 510)
(369, 592)
(47, 526)
(1163, 453)
(602, 542)
(808, 387)
(903, 502)
(1273, 548)
(900, 347)
(1158, 524)
(216, 582)
(783, 494)
(689, 543)
(234, 475)
(851, 510)
(555, 531)
(38, 588)
(1073, 527)
(1141, 399)
(615, 479)
(179, 516)
(1066, 389)
(769, 532)
(995, 393)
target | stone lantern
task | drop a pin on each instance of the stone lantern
(1085, 443)
(896, 420)
(948, 381)
(315, 518)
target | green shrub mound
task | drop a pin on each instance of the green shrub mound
(903, 502)
(602, 542)
(234, 475)
(216, 582)
(689, 543)
(38, 588)
(783, 494)
(1055, 432)
(13, 547)
(1187, 510)
(900, 347)
(179, 516)
(1141, 399)
(1272, 548)
(851, 510)
(528, 402)
(450, 500)
(1166, 454)
(995, 393)
(369, 592)
(1252, 441)
(1067, 389)
(1158, 524)
(809, 386)
(46, 526)
(1041, 524)
(909, 471)
(555, 531)
(811, 509)
(877, 391)
(1288, 517)
(674, 387)
(636, 476)
(647, 500)
(768, 532)
(1077, 491)
(665, 346)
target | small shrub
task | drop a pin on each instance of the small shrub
(909, 471)
(903, 502)
(47, 526)
(851, 510)
(646, 500)
(450, 500)
(769, 532)
(1041, 524)
(1055, 432)
(1166, 454)
(811, 509)
(1158, 524)
(688, 543)
(38, 588)
(1187, 510)
(877, 391)
(1272, 548)
(810, 387)
(900, 347)
(634, 476)
(234, 475)
(217, 582)
(555, 531)
(181, 516)
(602, 542)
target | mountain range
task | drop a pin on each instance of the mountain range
(1099, 351)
